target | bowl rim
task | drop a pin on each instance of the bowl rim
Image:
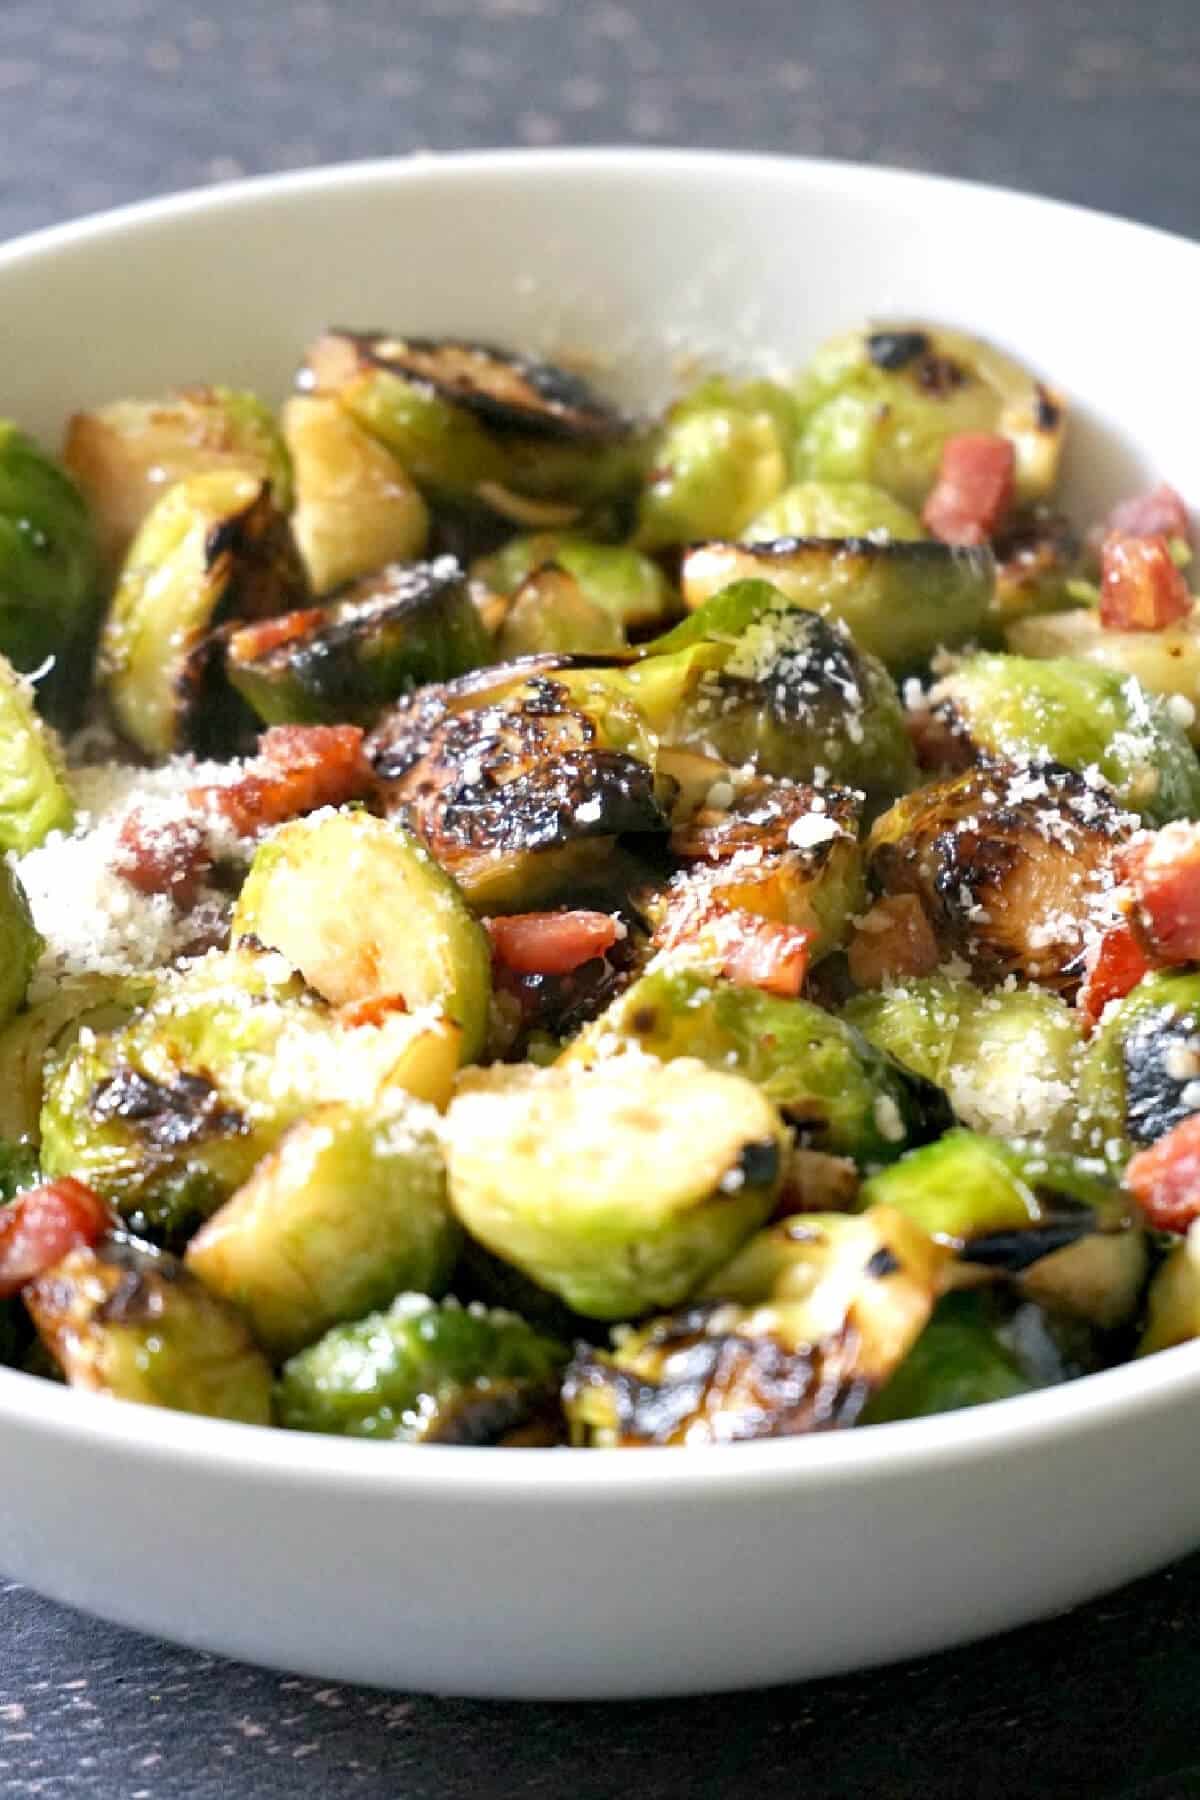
(1025, 1423)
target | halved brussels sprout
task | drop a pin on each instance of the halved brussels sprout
(27, 1042)
(837, 1091)
(356, 509)
(349, 659)
(961, 1359)
(168, 1115)
(721, 456)
(833, 509)
(49, 573)
(215, 547)
(1007, 1060)
(1165, 663)
(1173, 1302)
(1038, 559)
(900, 601)
(422, 1373)
(34, 798)
(406, 932)
(1009, 864)
(1080, 715)
(20, 944)
(126, 455)
(878, 405)
(794, 1335)
(519, 778)
(127, 1320)
(348, 1211)
(618, 1188)
(1140, 1074)
(1002, 1205)
(589, 597)
(1100, 1279)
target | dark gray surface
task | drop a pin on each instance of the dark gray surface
(109, 101)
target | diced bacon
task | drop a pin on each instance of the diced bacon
(1165, 1179)
(1140, 587)
(40, 1226)
(298, 769)
(893, 941)
(168, 856)
(551, 943)
(1115, 966)
(1162, 870)
(1160, 513)
(760, 953)
(974, 488)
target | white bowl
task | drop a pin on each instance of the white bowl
(540, 1572)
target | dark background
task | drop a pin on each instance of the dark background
(1098, 101)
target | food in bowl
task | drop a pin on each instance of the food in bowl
(551, 927)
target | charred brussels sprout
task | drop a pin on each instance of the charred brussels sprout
(126, 455)
(960, 1359)
(27, 1042)
(34, 799)
(1163, 663)
(519, 779)
(1173, 1301)
(1038, 562)
(214, 548)
(878, 404)
(346, 661)
(1139, 1074)
(617, 1188)
(838, 1092)
(833, 509)
(900, 601)
(406, 934)
(49, 572)
(421, 1373)
(1009, 865)
(1079, 715)
(794, 1335)
(347, 1212)
(356, 509)
(1007, 1060)
(590, 597)
(721, 457)
(127, 1320)
(20, 945)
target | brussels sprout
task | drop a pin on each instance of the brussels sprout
(1007, 1060)
(959, 1360)
(900, 601)
(590, 597)
(126, 455)
(356, 509)
(617, 1188)
(1038, 562)
(519, 778)
(1002, 1205)
(20, 945)
(168, 1115)
(878, 405)
(1173, 1302)
(1008, 863)
(127, 1320)
(18, 1168)
(794, 1335)
(407, 933)
(348, 660)
(776, 849)
(34, 800)
(421, 1373)
(752, 679)
(347, 1212)
(1100, 1279)
(1082, 716)
(720, 458)
(214, 547)
(49, 573)
(833, 509)
(94, 1002)
(1138, 1077)
(1165, 663)
(834, 1088)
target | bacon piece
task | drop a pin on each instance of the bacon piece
(1160, 513)
(761, 953)
(974, 488)
(551, 943)
(1140, 587)
(894, 939)
(1162, 870)
(168, 856)
(40, 1226)
(298, 769)
(1116, 965)
(1165, 1179)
